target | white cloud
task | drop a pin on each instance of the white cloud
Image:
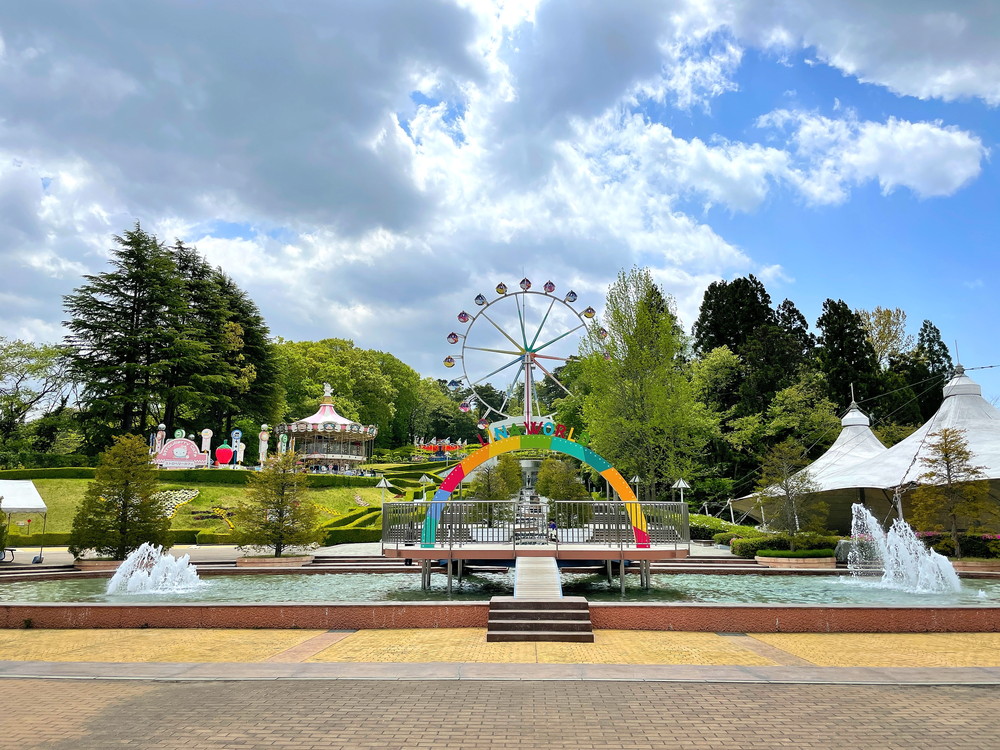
(929, 158)
(920, 48)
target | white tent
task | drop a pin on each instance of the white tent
(20, 496)
(855, 444)
(871, 479)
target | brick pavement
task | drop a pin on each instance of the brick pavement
(85, 715)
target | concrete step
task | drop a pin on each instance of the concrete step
(566, 602)
(557, 636)
(539, 614)
(540, 626)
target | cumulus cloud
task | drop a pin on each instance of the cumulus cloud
(929, 158)
(385, 160)
(920, 48)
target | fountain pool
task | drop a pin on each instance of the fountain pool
(404, 587)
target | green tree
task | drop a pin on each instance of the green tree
(124, 335)
(786, 491)
(499, 481)
(845, 355)
(276, 513)
(953, 492)
(119, 511)
(640, 408)
(33, 378)
(886, 330)
(558, 480)
(730, 312)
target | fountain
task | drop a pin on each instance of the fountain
(148, 570)
(905, 563)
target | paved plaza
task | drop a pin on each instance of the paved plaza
(80, 689)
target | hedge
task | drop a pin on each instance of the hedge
(352, 536)
(727, 536)
(351, 519)
(796, 553)
(34, 460)
(190, 476)
(973, 545)
(183, 536)
(80, 472)
(751, 546)
(48, 539)
(706, 527)
(212, 537)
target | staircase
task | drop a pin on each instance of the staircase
(513, 619)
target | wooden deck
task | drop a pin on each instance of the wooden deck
(537, 578)
(475, 551)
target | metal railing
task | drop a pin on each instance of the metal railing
(520, 523)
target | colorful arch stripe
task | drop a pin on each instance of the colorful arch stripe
(538, 442)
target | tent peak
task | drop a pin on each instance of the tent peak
(962, 385)
(855, 417)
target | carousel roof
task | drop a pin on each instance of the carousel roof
(325, 414)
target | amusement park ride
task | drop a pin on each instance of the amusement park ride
(532, 330)
(531, 334)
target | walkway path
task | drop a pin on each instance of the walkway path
(84, 715)
(537, 578)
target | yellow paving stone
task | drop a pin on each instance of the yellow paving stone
(651, 647)
(152, 645)
(890, 649)
(426, 645)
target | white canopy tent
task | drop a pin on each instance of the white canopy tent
(872, 479)
(20, 496)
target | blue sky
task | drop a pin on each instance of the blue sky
(364, 170)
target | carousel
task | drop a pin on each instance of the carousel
(326, 441)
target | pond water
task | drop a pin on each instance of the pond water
(354, 587)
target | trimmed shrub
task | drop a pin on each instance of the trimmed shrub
(748, 548)
(212, 537)
(727, 536)
(796, 553)
(34, 460)
(352, 518)
(48, 539)
(706, 527)
(183, 536)
(352, 536)
(81, 472)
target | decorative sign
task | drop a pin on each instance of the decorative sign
(178, 433)
(550, 429)
(224, 454)
(206, 439)
(181, 453)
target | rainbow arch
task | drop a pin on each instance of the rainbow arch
(542, 442)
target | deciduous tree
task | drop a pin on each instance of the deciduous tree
(786, 491)
(953, 493)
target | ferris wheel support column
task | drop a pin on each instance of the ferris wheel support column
(528, 382)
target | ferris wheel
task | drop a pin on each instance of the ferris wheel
(517, 339)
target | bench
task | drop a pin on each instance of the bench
(11, 550)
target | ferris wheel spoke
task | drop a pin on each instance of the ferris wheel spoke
(561, 336)
(503, 333)
(499, 369)
(498, 351)
(542, 324)
(513, 385)
(553, 378)
(549, 356)
(520, 317)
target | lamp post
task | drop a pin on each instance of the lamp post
(681, 485)
(424, 481)
(383, 485)
(635, 480)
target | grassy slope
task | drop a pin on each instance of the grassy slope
(63, 495)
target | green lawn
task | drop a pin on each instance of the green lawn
(63, 495)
